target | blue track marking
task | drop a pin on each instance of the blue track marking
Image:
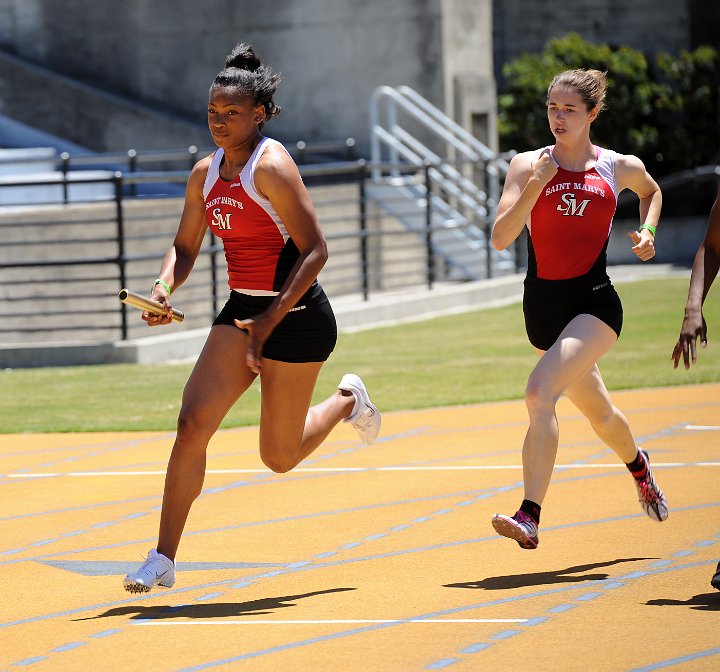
(472, 647)
(118, 568)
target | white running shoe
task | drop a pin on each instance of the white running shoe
(366, 418)
(156, 569)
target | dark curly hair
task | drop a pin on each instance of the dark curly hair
(245, 72)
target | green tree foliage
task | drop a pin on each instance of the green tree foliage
(665, 112)
(688, 115)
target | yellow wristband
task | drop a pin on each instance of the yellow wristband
(160, 281)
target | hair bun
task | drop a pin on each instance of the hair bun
(243, 56)
(245, 75)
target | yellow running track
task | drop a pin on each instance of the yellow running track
(378, 558)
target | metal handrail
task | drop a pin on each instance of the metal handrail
(433, 120)
(124, 251)
(132, 160)
(451, 126)
(453, 191)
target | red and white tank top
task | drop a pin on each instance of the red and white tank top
(571, 221)
(258, 249)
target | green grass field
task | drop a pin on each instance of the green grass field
(474, 357)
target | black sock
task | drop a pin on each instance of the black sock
(532, 509)
(638, 467)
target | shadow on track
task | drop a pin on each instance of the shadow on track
(543, 578)
(212, 610)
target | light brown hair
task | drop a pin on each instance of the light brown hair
(590, 84)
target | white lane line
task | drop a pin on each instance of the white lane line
(703, 428)
(200, 621)
(465, 467)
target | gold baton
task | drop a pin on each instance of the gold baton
(144, 303)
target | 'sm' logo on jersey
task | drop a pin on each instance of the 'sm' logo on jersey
(572, 207)
(220, 220)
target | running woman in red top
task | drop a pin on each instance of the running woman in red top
(566, 196)
(277, 323)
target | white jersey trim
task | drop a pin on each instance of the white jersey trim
(247, 178)
(213, 174)
(604, 165)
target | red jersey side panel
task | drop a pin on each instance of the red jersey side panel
(571, 221)
(256, 242)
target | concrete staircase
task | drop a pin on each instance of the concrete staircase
(455, 236)
(417, 149)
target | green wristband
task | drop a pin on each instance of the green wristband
(160, 281)
(651, 229)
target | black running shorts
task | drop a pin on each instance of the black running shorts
(549, 305)
(308, 333)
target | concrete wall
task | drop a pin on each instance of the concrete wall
(159, 57)
(677, 241)
(332, 54)
(87, 116)
(469, 83)
(647, 25)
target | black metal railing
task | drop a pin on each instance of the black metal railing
(63, 263)
(133, 160)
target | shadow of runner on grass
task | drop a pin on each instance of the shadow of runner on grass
(543, 578)
(262, 607)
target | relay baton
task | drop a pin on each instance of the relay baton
(144, 303)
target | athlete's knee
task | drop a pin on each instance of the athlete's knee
(193, 425)
(538, 398)
(278, 465)
(277, 460)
